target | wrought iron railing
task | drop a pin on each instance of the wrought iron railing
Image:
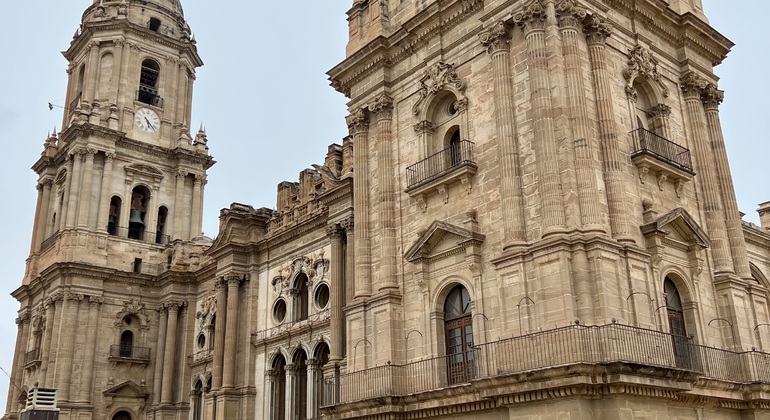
(647, 142)
(437, 164)
(576, 344)
(129, 352)
(149, 95)
(31, 357)
(139, 234)
(75, 103)
(49, 241)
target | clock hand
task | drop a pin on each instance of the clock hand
(149, 124)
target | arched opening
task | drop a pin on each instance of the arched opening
(160, 236)
(301, 301)
(458, 333)
(154, 24)
(148, 83)
(278, 389)
(453, 144)
(121, 415)
(114, 216)
(676, 322)
(300, 388)
(140, 197)
(127, 343)
(212, 331)
(197, 401)
(641, 105)
(321, 358)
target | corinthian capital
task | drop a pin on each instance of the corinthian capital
(692, 85)
(382, 106)
(424, 127)
(712, 97)
(532, 17)
(497, 38)
(358, 121)
(597, 29)
(335, 231)
(569, 15)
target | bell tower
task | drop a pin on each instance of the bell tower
(124, 167)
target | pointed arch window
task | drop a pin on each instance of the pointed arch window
(458, 331)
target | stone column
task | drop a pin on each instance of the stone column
(87, 371)
(269, 398)
(350, 262)
(159, 354)
(291, 384)
(167, 387)
(231, 330)
(219, 335)
(172, 63)
(179, 103)
(336, 320)
(176, 218)
(124, 50)
(75, 185)
(584, 143)
(712, 97)
(85, 199)
(34, 245)
(22, 336)
(65, 192)
(382, 109)
(43, 232)
(497, 42)
(66, 348)
(597, 31)
(358, 123)
(313, 370)
(693, 87)
(533, 21)
(50, 328)
(104, 195)
(92, 70)
(197, 202)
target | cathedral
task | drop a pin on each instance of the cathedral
(532, 217)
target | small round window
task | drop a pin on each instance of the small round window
(322, 295)
(279, 310)
(201, 341)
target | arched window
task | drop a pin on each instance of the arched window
(641, 106)
(197, 403)
(127, 344)
(454, 146)
(301, 301)
(114, 216)
(212, 331)
(148, 83)
(321, 358)
(458, 330)
(278, 390)
(121, 415)
(674, 309)
(160, 236)
(154, 24)
(300, 390)
(140, 197)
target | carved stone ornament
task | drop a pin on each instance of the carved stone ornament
(532, 17)
(712, 97)
(692, 85)
(357, 121)
(382, 106)
(132, 307)
(437, 77)
(642, 64)
(497, 38)
(569, 14)
(597, 29)
(208, 310)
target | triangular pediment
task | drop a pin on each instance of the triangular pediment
(680, 226)
(441, 239)
(127, 389)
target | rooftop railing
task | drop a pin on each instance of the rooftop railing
(647, 142)
(437, 164)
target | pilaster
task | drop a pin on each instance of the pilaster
(358, 123)
(219, 338)
(159, 354)
(231, 329)
(104, 194)
(87, 371)
(167, 387)
(335, 233)
(87, 184)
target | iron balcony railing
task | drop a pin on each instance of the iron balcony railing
(138, 234)
(149, 95)
(576, 344)
(49, 241)
(31, 357)
(647, 142)
(129, 352)
(437, 164)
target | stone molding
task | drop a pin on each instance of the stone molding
(641, 64)
(438, 77)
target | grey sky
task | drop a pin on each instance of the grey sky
(268, 109)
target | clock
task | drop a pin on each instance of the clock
(147, 120)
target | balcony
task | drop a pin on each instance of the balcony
(132, 354)
(200, 358)
(138, 234)
(674, 356)
(32, 358)
(658, 156)
(149, 95)
(436, 172)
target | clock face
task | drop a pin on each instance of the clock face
(147, 120)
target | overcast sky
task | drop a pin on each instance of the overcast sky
(268, 109)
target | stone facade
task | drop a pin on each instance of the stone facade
(533, 217)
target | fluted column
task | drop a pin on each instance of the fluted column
(87, 371)
(693, 86)
(313, 370)
(169, 354)
(350, 262)
(382, 109)
(584, 139)
(92, 70)
(157, 383)
(197, 202)
(34, 245)
(291, 385)
(66, 348)
(88, 180)
(336, 326)
(533, 21)
(597, 31)
(75, 185)
(231, 330)
(17, 374)
(104, 195)
(358, 123)
(50, 328)
(179, 103)
(497, 41)
(712, 97)
(179, 207)
(219, 335)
